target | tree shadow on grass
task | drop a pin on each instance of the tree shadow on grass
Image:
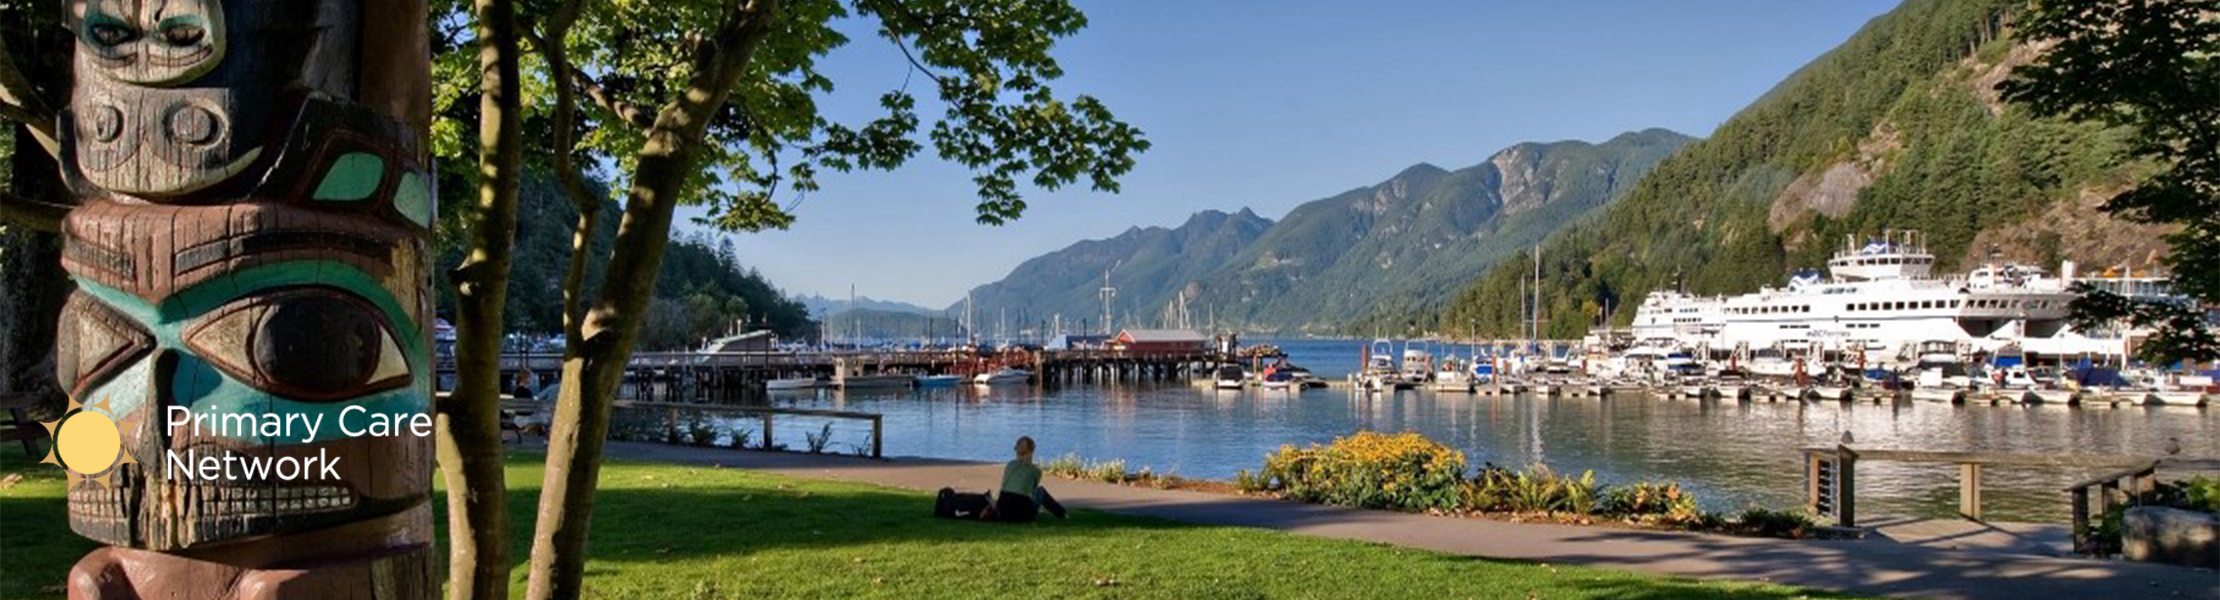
(653, 526)
(36, 545)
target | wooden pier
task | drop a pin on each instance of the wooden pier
(726, 376)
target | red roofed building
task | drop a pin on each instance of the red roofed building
(1160, 340)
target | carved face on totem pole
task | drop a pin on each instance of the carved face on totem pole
(251, 240)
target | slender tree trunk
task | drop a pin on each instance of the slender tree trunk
(31, 265)
(592, 370)
(470, 420)
(34, 69)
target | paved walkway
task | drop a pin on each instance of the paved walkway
(1877, 567)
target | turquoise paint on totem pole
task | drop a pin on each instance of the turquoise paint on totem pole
(200, 386)
(413, 198)
(355, 176)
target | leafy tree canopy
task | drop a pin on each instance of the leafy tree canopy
(988, 62)
(2151, 67)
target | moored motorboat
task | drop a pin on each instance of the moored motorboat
(1229, 377)
(792, 383)
(2174, 398)
(1952, 395)
(1278, 381)
(2060, 396)
(924, 381)
(1830, 392)
(1003, 375)
(1731, 387)
(1452, 376)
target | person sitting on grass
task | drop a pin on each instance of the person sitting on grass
(1021, 498)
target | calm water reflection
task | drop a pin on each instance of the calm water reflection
(1730, 454)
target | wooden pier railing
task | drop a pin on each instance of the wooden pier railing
(1831, 479)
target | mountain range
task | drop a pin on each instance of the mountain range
(821, 306)
(1362, 258)
(1900, 127)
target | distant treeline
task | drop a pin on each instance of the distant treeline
(702, 290)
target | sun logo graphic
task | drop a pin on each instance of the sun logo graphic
(88, 443)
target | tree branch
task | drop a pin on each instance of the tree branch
(631, 113)
(20, 102)
(38, 216)
(566, 169)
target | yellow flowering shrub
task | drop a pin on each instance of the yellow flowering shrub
(1402, 471)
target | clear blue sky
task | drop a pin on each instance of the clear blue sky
(1269, 104)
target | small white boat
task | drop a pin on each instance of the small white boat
(1830, 392)
(1380, 373)
(792, 383)
(2174, 398)
(1418, 364)
(1230, 377)
(1301, 378)
(938, 380)
(2059, 396)
(1003, 375)
(1452, 376)
(1950, 395)
(1732, 388)
(1279, 381)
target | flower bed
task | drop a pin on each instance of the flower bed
(1408, 472)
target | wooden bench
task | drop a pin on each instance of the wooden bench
(18, 425)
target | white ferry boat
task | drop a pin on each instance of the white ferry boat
(1880, 299)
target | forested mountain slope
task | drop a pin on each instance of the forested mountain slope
(1898, 128)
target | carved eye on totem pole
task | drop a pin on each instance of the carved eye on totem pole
(250, 242)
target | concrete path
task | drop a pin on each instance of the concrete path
(1873, 567)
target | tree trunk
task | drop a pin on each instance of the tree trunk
(31, 300)
(470, 420)
(593, 370)
(34, 70)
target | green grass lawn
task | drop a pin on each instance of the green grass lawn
(665, 531)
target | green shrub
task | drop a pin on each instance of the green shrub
(819, 440)
(1537, 489)
(1249, 482)
(1068, 465)
(1370, 470)
(1109, 471)
(1773, 523)
(739, 439)
(2196, 493)
(701, 432)
(1652, 502)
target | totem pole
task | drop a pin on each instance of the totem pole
(251, 242)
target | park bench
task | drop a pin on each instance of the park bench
(18, 426)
